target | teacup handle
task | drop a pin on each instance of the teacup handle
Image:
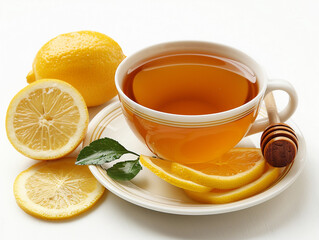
(260, 124)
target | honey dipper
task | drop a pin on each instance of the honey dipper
(279, 143)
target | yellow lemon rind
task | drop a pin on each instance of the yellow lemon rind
(49, 154)
(30, 77)
(249, 190)
(171, 178)
(50, 214)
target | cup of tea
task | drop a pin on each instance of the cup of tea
(192, 101)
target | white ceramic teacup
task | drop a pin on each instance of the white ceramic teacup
(198, 138)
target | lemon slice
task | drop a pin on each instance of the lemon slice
(162, 169)
(234, 169)
(56, 189)
(218, 196)
(47, 119)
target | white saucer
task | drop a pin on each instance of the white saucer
(149, 191)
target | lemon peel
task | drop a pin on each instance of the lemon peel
(85, 59)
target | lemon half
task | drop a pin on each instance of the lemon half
(47, 119)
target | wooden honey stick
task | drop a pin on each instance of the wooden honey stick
(279, 143)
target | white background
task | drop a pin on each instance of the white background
(283, 36)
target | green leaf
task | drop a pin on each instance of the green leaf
(124, 170)
(101, 151)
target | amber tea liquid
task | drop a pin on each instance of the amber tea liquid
(190, 84)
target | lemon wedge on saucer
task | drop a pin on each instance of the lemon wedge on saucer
(218, 196)
(234, 169)
(162, 169)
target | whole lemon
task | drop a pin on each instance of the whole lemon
(85, 59)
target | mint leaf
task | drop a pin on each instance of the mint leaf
(101, 151)
(124, 170)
